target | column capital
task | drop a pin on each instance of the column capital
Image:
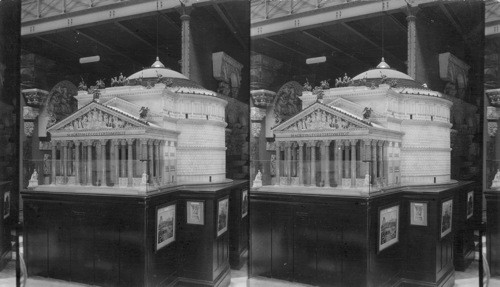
(151, 141)
(54, 143)
(311, 143)
(77, 142)
(381, 143)
(143, 141)
(102, 141)
(130, 141)
(300, 143)
(367, 141)
(353, 142)
(123, 142)
(327, 142)
(87, 142)
(156, 142)
(288, 145)
(115, 142)
(64, 143)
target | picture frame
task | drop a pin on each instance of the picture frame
(222, 215)
(6, 204)
(244, 203)
(470, 204)
(165, 225)
(418, 213)
(388, 227)
(446, 217)
(195, 212)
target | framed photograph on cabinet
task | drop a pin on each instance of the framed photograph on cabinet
(222, 215)
(244, 203)
(165, 226)
(470, 204)
(6, 204)
(446, 217)
(195, 212)
(418, 213)
(388, 227)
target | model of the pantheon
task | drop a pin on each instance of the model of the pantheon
(158, 129)
(378, 129)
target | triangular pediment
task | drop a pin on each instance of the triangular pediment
(321, 117)
(95, 116)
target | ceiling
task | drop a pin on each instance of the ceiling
(126, 45)
(353, 45)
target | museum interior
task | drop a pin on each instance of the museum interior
(250, 143)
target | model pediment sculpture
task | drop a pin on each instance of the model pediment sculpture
(382, 129)
(154, 129)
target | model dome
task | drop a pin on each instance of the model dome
(158, 72)
(383, 73)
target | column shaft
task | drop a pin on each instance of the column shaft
(157, 161)
(186, 43)
(122, 158)
(77, 162)
(353, 163)
(150, 160)
(346, 161)
(103, 162)
(53, 165)
(289, 162)
(338, 162)
(89, 163)
(327, 164)
(374, 161)
(277, 164)
(65, 161)
(130, 167)
(313, 164)
(300, 171)
(412, 46)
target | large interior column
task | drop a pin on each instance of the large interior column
(53, 165)
(77, 161)
(277, 164)
(353, 163)
(326, 156)
(130, 167)
(412, 44)
(64, 161)
(89, 161)
(338, 162)
(186, 41)
(300, 171)
(313, 162)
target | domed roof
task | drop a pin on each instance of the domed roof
(384, 74)
(159, 73)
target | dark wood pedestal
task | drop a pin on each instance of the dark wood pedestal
(6, 223)
(493, 231)
(111, 240)
(333, 240)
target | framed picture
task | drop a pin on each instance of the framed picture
(244, 203)
(418, 213)
(470, 204)
(222, 215)
(165, 226)
(388, 227)
(6, 204)
(195, 212)
(446, 217)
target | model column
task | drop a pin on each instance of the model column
(288, 161)
(64, 161)
(300, 171)
(374, 161)
(161, 155)
(103, 161)
(89, 161)
(278, 155)
(77, 162)
(123, 156)
(367, 157)
(380, 167)
(338, 162)
(353, 162)
(53, 166)
(130, 167)
(312, 144)
(327, 162)
(346, 167)
(157, 160)
(116, 166)
(150, 160)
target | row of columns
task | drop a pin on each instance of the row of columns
(352, 159)
(124, 160)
